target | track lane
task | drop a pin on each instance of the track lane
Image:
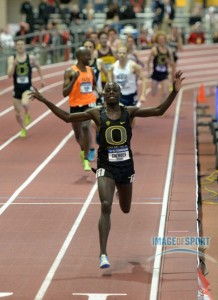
(79, 187)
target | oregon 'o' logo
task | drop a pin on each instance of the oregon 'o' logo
(109, 135)
(162, 59)
(22, 69)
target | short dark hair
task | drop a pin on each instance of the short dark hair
(18, 39)
(101, 33)
(89, 40)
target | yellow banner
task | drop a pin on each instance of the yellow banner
(212, 2)
(181, 3)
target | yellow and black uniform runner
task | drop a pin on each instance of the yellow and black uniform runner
(108, 60)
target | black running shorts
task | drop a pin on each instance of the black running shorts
(121, 173)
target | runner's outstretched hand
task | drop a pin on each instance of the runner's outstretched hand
(177, 81)
(35, 94)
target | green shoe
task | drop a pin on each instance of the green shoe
(82, 155)
(23, 133)
(27, 119)
(86, 165)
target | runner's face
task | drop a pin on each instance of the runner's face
(20, 47)
(89, 46)
(122, 53)
(103, 40)
(161, 40)
(112, 93)
(130, 43)
(86, 57)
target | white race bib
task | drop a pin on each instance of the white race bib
(161, 68)
(22, 79)
(118, 154)
(86, 87)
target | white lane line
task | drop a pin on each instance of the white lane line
(42, 116)
(2, 295)
(36, 172)
(65, 246)
(6, 111)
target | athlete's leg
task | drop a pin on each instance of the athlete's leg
(154, 87)
(106, 187)
(77, 127)
(86, 129)
(125, 196)
(25, 101)
(25, 104)
(17, 108)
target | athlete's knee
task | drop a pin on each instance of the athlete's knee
(85, 128)
(17, 115)
(106, 207)
(77, 135)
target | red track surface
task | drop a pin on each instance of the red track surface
(50, 209)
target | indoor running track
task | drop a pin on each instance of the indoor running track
(50, 207)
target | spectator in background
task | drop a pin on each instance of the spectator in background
(146, 38)
(215, 37)
(24, 30)
(128, 14)
(65, 39)
(115, 24)
(44, 11)
(55, 41)
(158, 10)
(113, 9)
(196, 35)
(183, 35)
(169, 16)
(107, 27)
(138, 5)
(196, 15)
(99, 5)
(6, 38)
(6, 47)
(26, 10)
(88, 11)
(43, 40)
(76, 14)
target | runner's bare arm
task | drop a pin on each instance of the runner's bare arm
(160, 109)
(139, 71)
(60, 113)
(35, 63)
(69, 79)
(12, 62)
